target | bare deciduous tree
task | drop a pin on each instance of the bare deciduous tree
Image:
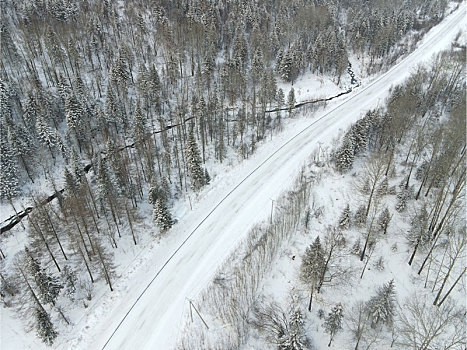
(422, 326)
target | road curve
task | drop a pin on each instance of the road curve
(151, 320)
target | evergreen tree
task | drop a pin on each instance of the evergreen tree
(71, 185)
(107, 186)
(402, 198)
(8, 44)
(69, 277)
(209, 63)
(142, 83)
(44, 327)
(360, 217)
(32, 265)
(239, 50)
(74, 118)
(64, 89)
(280, 98)
(345, 155)
(294, 338)
(257, 66)
(381, 307)
(22, 145)
(333, 322)
(31, 110)
(207, 177)
(154, 86)
(112, 109)
(383, 220)
(5, 106)
(193, 158)
(162, 216)
(76, 166)
(166, 192)
(45, 134)
(155, 193)
(138, 124)
(48, 286)
(344, 220)
(9, 171)
(382, 189)
(119, 72)
(312, 266)
(291, 101)
(286, 66)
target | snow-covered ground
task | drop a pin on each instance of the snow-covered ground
(150, 301)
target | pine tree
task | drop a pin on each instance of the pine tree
(312, 266)
(106, 188)
(9, 172)
(166, 192)
(142, 83)
(74, 118)
(71, 185)
(345, 155)
(44, 327)
(31, 110)
(5, 106)
(76, 166)
(257, 66)
(193, 158)
(138, 124)
(239, 50)
(291, 101)
(382, 189)
(48, 286)
(8, 44)
(344, 220)
(119, 72)
(280, 98)
(207, 177)
(69, 277)
(286, 66)
(32, 265)
(294, 337)
(22, 145)
(113, 113)
(383, 220)
(333, 322)
(381, 307)
(209, 63)
(162, 216)
(360, 217)
(45, 134)
(402, 198)
(155, 193)
(154, 85)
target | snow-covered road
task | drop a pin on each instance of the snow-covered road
(151, 313)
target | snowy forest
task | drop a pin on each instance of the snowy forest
(118, 118)
(402, 214)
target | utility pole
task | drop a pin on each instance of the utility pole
(191, 313)
(272, 209)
